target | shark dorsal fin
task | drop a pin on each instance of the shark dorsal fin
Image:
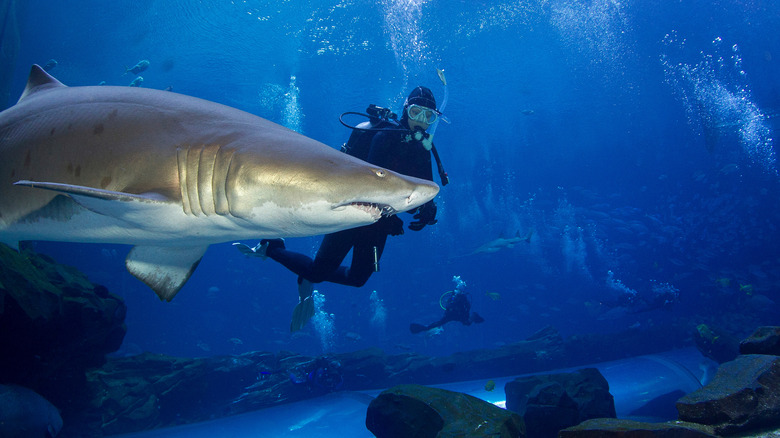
(38, 81)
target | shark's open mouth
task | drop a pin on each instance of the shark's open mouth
(376, 210)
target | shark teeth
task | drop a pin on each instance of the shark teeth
(376, 210)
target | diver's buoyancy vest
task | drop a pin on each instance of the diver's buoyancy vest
(359, 143)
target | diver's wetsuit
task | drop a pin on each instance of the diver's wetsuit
(391, 150)
(458, 309)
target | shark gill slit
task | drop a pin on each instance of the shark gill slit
(206, 165)
(181, 162)
(193, 161)
(222, 162)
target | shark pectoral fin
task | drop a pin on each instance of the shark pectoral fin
(80, 192)
(165, 269)
(105, 202)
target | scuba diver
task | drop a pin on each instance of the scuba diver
(456, 308)
(325, 375)
(399, 145)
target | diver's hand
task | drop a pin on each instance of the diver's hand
(248, 250)
(395, 225)
(425, 216)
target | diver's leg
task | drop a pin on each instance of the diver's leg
(438, 323)
(296, 262)
(332, 251)
(363, 261)
(417, 328)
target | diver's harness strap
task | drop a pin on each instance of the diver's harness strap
(377, 114)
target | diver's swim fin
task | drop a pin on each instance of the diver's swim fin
(475, 318)
(417, 328)
(302, 314)
(304, 311)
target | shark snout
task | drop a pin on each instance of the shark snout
(422, 192)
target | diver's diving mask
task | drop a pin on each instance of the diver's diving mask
(422, 114)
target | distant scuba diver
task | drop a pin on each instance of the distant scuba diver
(325, 375)
(457, 307)
(399, 145)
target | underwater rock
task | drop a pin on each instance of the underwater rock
(716, 344)
(765, 340)
(588, 348)
(549, 403)
(25, 414)
(618, 428)
(153, 390)
(422, 412)
(743, 396)
(54, 325)
(549, 409)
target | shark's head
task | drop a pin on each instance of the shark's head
(306, 194)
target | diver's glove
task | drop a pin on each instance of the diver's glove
(426, 215)
(394, 225)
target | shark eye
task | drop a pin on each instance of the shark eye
(380, 173)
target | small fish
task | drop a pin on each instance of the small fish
(495, 296)
(137, 81)
(490, 385)
(50, 64)
(723, 282)
(746, 288)
(138, 68)
(236, 341)
(443, 79)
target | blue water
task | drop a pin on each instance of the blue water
(637, 140)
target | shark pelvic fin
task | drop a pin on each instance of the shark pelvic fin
(165, 269)
(39, 81)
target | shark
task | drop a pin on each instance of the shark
(171, 174)
(501, 243)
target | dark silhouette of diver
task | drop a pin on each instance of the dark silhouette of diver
(401, 146)
(457, 308)
(325, 376)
